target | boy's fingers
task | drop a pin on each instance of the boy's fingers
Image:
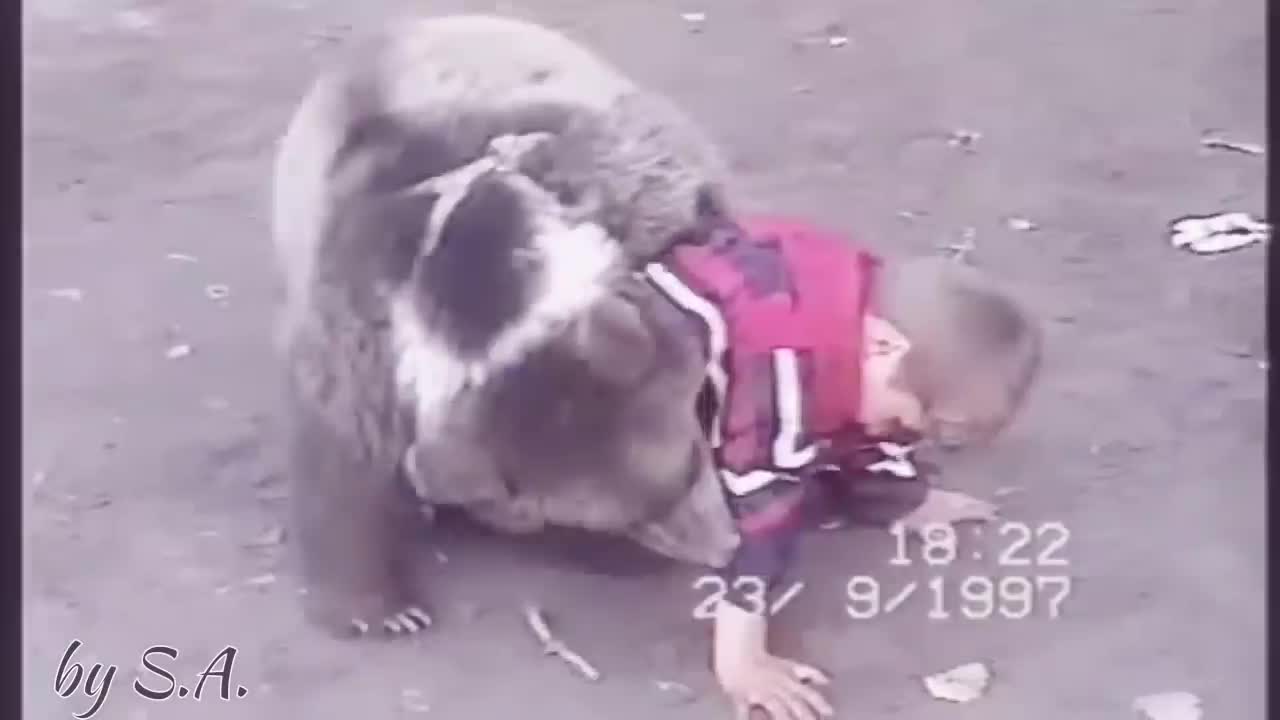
(741, 710)
(805, 673)
(778, 710)
(811, 698)
(796, 708)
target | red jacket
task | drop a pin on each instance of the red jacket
(783, 304)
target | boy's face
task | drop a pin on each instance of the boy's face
(887, 407)
(890, 408)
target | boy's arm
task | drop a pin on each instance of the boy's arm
(753, 678)
(757, 438)
(747, 671)
(763, 449)
(763, 453)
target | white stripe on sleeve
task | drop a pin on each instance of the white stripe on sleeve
(787, 452)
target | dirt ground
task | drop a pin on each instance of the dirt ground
(148, 131)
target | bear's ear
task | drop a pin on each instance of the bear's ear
(710, 205)
(710, 213)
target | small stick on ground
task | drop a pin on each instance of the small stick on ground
(551, 645)
(675, 691)
(1215, 142)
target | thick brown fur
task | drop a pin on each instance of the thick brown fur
(451, 360)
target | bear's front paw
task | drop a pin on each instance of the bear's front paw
(349, 616)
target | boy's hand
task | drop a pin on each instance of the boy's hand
(945, 506)
(752, 677)
(776, 685)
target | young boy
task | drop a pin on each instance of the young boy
(826, 366)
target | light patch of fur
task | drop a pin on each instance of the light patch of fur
(427, 373)
(579, 264)
(452, 188)
(505, 152)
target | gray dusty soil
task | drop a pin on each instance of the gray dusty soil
(148, 132)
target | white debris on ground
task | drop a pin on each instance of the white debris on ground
(178, 352)
(1020, 224)
(72, 294)
(217, 292)
(136, 20)
(1213, 141)
(833, 35)
(1207, 235)
(676, 692)
(960, 684)
(1177, 705)
(964, 139)
(695, 20)
(413, 701)
(960, 251)
(261, 581)
(182, 257)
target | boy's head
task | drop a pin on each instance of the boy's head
(946, 353)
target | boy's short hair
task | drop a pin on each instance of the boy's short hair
(975, 351)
